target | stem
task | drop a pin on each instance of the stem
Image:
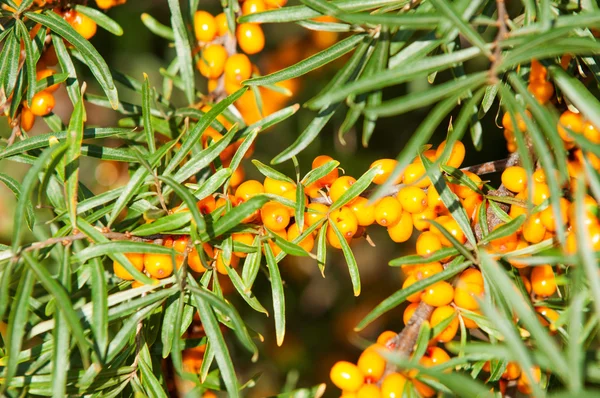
(502, 34)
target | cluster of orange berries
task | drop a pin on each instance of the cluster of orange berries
(106, 4)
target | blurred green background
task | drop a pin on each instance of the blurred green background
(321, 312)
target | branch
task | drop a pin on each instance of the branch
(502, 34)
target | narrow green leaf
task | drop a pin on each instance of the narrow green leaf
(10, 62)
(504, 230)
(252, 264)
(61, 335)
(164, 224)
(356, 189)
(168, 324)
(183, 49)
(99, 321)
(14, 186)
(350, 260)
(320, 172)
(67, 66)
(288, 247)
(103, 20)
(148, 129)
(278, 295)
(413, 259)
(119, 246)
(30, 60)
(234, 217)
(270, 172)
(71, 161)
(189, 200)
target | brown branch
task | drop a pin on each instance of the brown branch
(502, 34)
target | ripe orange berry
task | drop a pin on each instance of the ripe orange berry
(402, 230)
(44, 73)
(472, 275)
(307, 243)
(388, 211)
(542, 280)
(428, 243)
(238, 67)
(514, 178)
(250, 38)
(82, 24)
(507, 121)
(414, 174)
(275, 3)
(438, 316)
(547, 215)
(469, 323)
(331, 177)
(212, 61)
(411, 280)
(385, 169)
(346, 376)
(409, 311)
(221, 23)
(42, 103)
(340, 186)
(569, 123)
(159, 266)
(421, 220)
(369, 391)
(537, 72)
(274, 247)
(237, 177)
(364, 212)
(545, 314)
(319, 212)
(194, 261)
(413, 199)
(345, 220)
(245, 238)
(533, 229)
(466, 295)
(463, 191)
(439, 294)
(591, 133)
(27, 118)
(253, 6)
(371, 364)
(512, 371)
(523, 384)
(457, 154)
(393, 385)
(435, 356)
(450, 225)
(423, 271)
(275, 216)
(207, 205)
(541, 192)
(136, 259)
(221, 264)
(386, 336)
(205, 26)
(542, 91)
(506, 243)
(248, 189)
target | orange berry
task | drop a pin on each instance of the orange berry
(159, 266)
(385, 169)
(313, 190)
(42, 103)
(413, 199)
(514, 178)
(537, 72)
(27, 118)
(369, 391)
(438, 294)
(275, 216)
(44, 73)
(508, 124)
(194, 261)
(533, 229)
(570, 123)
(385, 337)
(393, 385)
(237, 177)
(428, 243)
(82, 24)
(526, 283)
(414, 174)
(388, 211)
(346, 376)
(472, 275)
(523, 384)
(275, 3)
(542, 91)
(469, 323)
(307, 243)
(319, 212)
(248, 189)
(364, 212)
(463, 191)
(466, 295)
(423, 271)
(207, 205)
(435, 356)
(253, 6)
(541, 192)
(410, 280)
(450, 225)
(591, 133)
(504, 244)
(250, 38)
(371, 364)
(331, 177)
(221, 264)
(409, 311)
(421, 220)
(539, 175)
(438, 316)
(457, 154)
(212, 61)
(205, 26)
(340, 186)
(547, 215)
(245, 238)
(546, 314)
(542, 280)
(221, 24)
(402, 230)
(345, 220)
(512, 371)
(274, 247)
(238, 67)
(136, 259)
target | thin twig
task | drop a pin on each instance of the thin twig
(502, 34)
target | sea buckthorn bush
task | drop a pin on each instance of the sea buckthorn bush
(467, 158)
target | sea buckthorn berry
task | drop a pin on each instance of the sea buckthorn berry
(590, 208)
(369, 391)
(307, 243)
(319, 211)
(468, 321)
(412, 199)
(414, 174)
(545, 314)
(547, 215)
(591, 133)
(514, 178)
(212, 61)
(245, 238)
(221, 23)
(27, 118)
(274, 247)
(508, 124)
(450, 225)
(506, 243)
(221, 264)
(428, 243)
(159, 266)
(537, 72)
(42, 103)
(423, 271)
(463, 191)
(438, 316)
(421, 220)
(331, 177)
(543, 282)
(472, 275)
(403, 229)
(275, 3)
(277, 187)
(466, 295)
(471, 205)
(237, 177)
(207, 205)
(512, 371)
(253, 6)
(409, 311)
(434, 200)
(523, 384)
(205, 26)
(438, 294)
(388, 211)
(345, 220)
(385, 169)
(82, 24)
(44, 73)
(346, 376)
(393, 385)
(313, 190)
(385, 337)
(136, 259)
(364, 212)
(340, 186)
(542, 91)
(541, 192)
(371, 364)
(410, 280)
(250, 38)
(526, 283)
(238, 68)
(275, 216)
(435, 356)
(248, 189)
(457, 154)
(194, 261)
(533, 229)
(539, 175)
(429, 154)
(569, 123)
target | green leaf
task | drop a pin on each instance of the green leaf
(504, 230)
(350, 260)
(270, 172)
(315, 174)
(93, 59)
(413, 259)
(168, 324)
(119, 246)
(400, 296)
(212, 184)
(234, 217)
(30, 59)
(99, 323)
(189, 200)
(277, 292)
(66, 65)
(183, 49)
(252, 264)
(14, 186)
(163, 224)
(355, 189)
(248, 297)
(103, 20)
(61, 335)
(423, 21)
(322, 6)
(148, 129)
(71, 160)
(287, 246)
(51, 80)
(9, 65)
(311, 63)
